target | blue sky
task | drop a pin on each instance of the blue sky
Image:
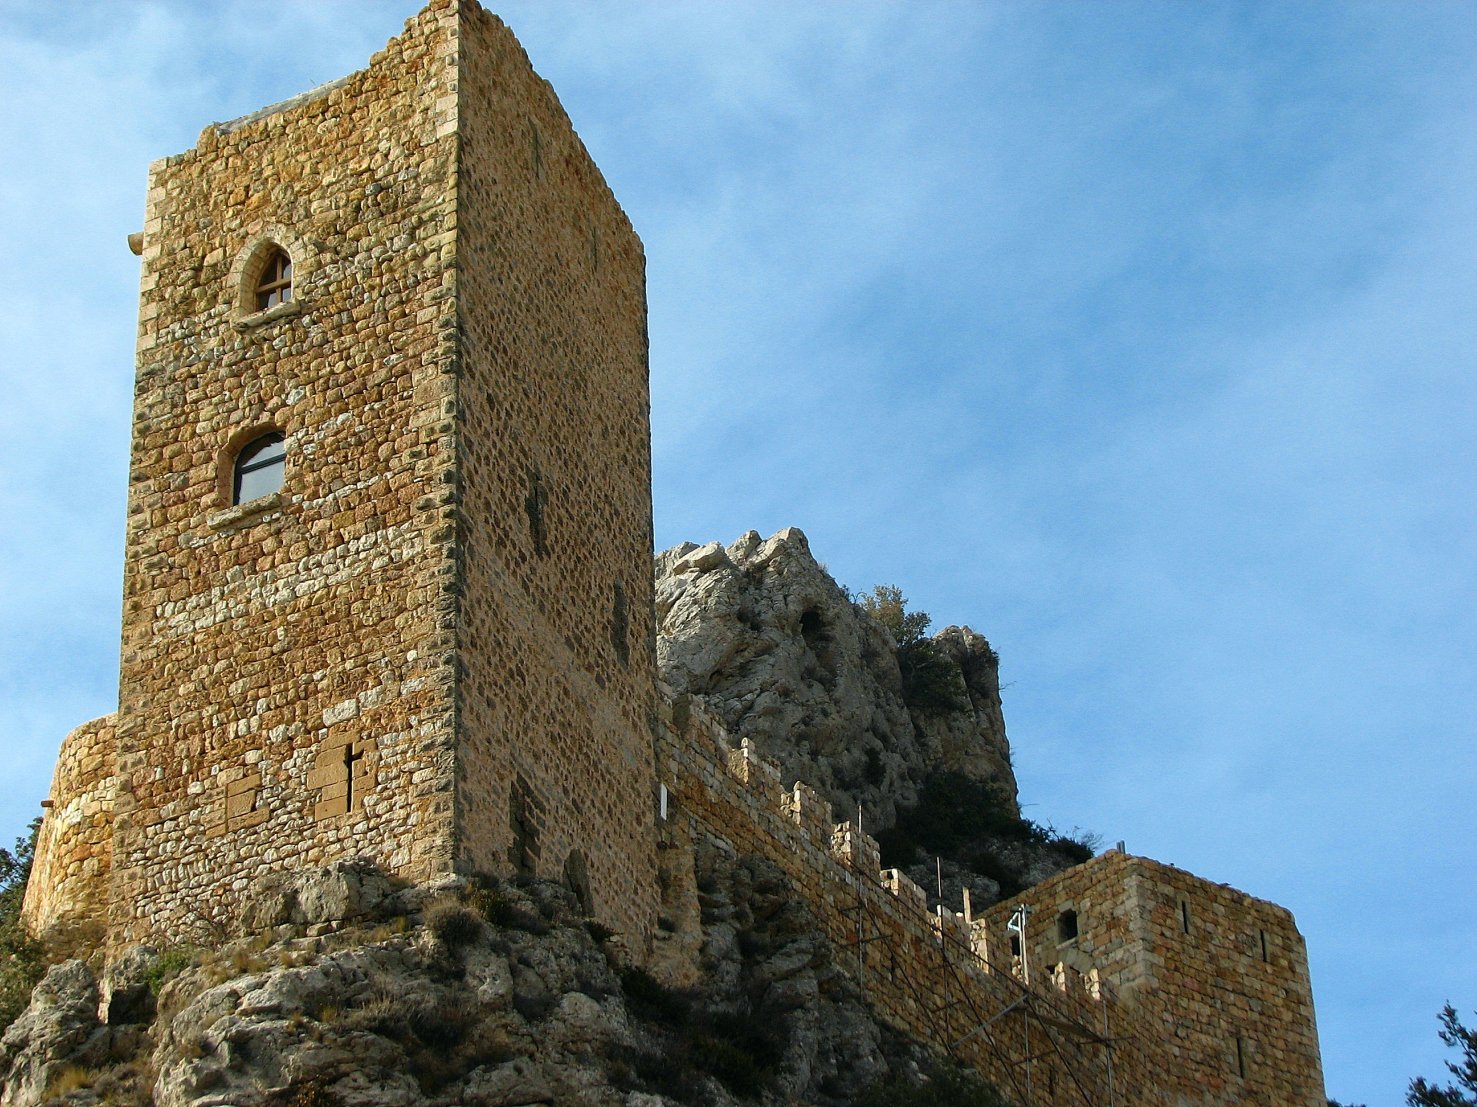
(1137, 336)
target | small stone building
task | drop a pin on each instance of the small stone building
(1222, 975)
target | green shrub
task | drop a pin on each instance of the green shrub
(932, 682)
(741, 1049)
(453, 923)
(312, 1092)
(500, 910)
(22, 963)
(964, 820)
(440, 1024)
(167, 966)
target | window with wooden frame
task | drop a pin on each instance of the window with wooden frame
(274, 280)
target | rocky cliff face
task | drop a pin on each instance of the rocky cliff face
(780, 651)
(357, 992)
(786, 658)
(475, 995)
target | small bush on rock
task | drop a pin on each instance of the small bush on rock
(167, 966)
(963, 819)
(306, 1093)
(932, 682)
(454, 924)
(21, 961)
(737, 1047)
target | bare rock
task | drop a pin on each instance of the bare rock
(764, 635)
(59, 1029)
(335, 893)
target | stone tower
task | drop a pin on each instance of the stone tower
(408, 298)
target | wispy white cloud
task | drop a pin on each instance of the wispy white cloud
(1138, 335)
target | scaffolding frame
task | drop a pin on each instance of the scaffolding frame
(1066, 1037)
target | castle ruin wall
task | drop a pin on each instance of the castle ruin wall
(67, 895)
(288, 663)
(1115, 1015)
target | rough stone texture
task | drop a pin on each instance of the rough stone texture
(335, 893)
(256, 635)
(1205, 963)
(58, 1029)
(779, 652)
(432, 647)
(1172, 1008)
(67, 896)
(535, 1009)
(553, 440)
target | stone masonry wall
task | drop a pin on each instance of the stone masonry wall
(67, 895)
(1223, 974)
(1093, 1030)
(287, 664)
(942, 977)
(558, 663)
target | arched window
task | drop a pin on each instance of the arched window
(259, 467)
(274, 281)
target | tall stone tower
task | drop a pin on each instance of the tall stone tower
(388, 587)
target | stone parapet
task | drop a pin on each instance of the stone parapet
(1045, 1026)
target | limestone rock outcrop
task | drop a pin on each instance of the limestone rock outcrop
(490, 995)
(761, 631)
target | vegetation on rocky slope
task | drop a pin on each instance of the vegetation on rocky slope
(21, 963)
(484, 992)
(967, 822)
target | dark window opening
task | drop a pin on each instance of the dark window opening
(524, 817)
(1015, 945)
(1240, 1057)
(577, 880)
(352, 757)
(620, 624)
(259, 468)
(1262, 934)
(274, 283)
(1066, 926)
(812, 628)
(534, 505)
(1185, 915)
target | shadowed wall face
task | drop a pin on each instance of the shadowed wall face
(557, 644)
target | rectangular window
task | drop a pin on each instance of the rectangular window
(1240, 1057)
(1262, 934)
(1185, 915)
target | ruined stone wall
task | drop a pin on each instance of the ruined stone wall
(555, 539)
(67, 895)
(945, 979)
(287, 664)
(1225, 975)
(1083, 1012)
